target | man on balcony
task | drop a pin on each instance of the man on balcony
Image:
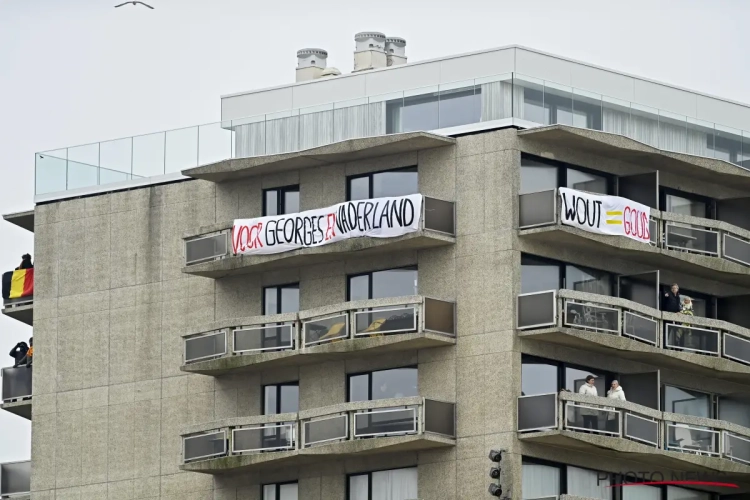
(672, 301)
(18, 353)
(590, 415)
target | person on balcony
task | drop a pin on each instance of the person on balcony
(672, 301)
(590, 415)
(25, 262)
(615, 392)
(29, 358)
(18, 353)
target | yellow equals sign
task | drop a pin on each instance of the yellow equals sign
(614, 212)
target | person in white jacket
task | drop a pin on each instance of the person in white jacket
(590, 415)
(615, 392)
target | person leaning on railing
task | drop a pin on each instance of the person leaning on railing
(25, 262)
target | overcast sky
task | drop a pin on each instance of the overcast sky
(80, 71)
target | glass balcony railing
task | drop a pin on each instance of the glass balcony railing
(532, 101)
(295, 332)
(353, 421)
(708, 237)
(625, 420)
(620, 317)
(15, 479)
(16, 383)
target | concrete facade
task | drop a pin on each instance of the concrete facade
(112, 303)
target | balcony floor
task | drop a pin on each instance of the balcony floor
(333, 451)
(617, 448)
(247, 264)
(24, 314)
(339, 152)
(344, 349)
(624, 347)
(20, 408)
(659, 258)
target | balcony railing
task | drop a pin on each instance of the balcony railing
(349, 422)
(16, 383)
(437, 215)
(668, 231)
(438, 107)
(620, 419)
(15, 479)
(621, 317)
(297, 332)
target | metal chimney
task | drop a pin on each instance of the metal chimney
(369, 52)
(395, 50)
(310, 64)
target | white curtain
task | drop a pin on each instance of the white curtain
(641, 493)
(288, 491)
(496, 101)
(250, 140)
(540, 481)
(583, 483)
(675, 493)
(616, 122)
(358, 487)
(315, 129)
(282, 135)
(397, 484)
(364, 120)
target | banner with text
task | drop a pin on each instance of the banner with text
(605, 214)
(375, 218)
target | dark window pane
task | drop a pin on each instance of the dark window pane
(289, 299)
(359, 188)
(359, 287)
(289, 399)
(271, 300)
(584, 181)
(394, 283)
(540, 481)
(587, 280)
(359, 388)
(420, 113)
(459, 107)
(687, 402)
(535, 178)
(398, 183)
(271, 403)
(398, 383)
(272, 202)
(538, 377)
(685, 206)
(291, 202)
(539, 276)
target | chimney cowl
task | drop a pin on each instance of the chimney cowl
(369, 40)
(310, 63)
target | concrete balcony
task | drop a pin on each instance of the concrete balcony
(693, 245)
(338, 331)
(20, 309)
(335, 432)
(208, 250)
(338, 152)
(15, 480)
(649, 437)
(24, 220)
(16, 393)
(623, 328)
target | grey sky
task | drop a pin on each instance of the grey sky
(80, 71)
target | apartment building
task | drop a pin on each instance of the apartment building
(360, 286)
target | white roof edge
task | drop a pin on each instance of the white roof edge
(495, 49)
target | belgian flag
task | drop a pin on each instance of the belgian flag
(18, 284)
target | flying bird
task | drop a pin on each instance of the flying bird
(134, 3)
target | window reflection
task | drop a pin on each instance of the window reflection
(281, 299)
(459, 107)
(536, 176)
(687, 402)
(538, 377)
(685, 206)
(384, 384)
(584, 181)
(280, 201)
(400, 182)
(383, 284)
(587, 280)
(538, 275)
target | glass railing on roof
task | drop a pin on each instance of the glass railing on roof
(531, 101)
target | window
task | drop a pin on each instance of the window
(395, 484)
(280, 201)
(281, 299)
(281, 398)
(586, 483)
(541, 174)
(280, 491)
(584, 181)
(687, 402)
(641, 493)
(459, 106)
(582, 279)
(675, 493)
(381, 284)
(680, 202)
(543, 376)
(540, 480)
(735, 410)
(538, 377)
(399, 182)
(539, 275)
(383, 384)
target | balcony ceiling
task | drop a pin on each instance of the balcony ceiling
(20, 408)
(23, 220)
(339, 152)
(623, 347)
(629, 150)
(24, 314)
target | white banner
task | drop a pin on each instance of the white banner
(605, 214)
(376, 218)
